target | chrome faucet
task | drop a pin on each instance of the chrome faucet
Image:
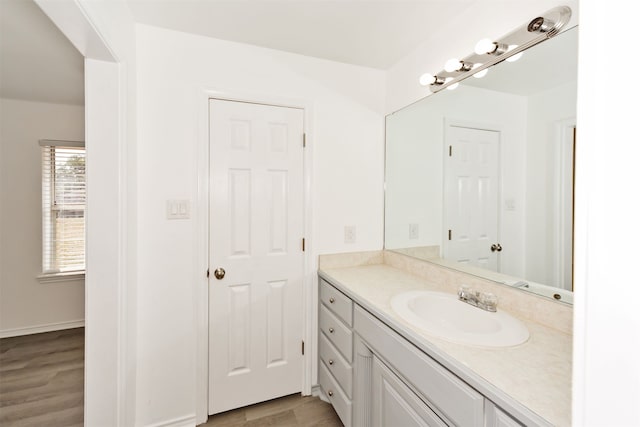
(484, 300)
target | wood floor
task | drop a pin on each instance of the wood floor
(42, 379)
(289, 411)
(42, 385)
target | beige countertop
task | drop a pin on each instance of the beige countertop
(531, 379)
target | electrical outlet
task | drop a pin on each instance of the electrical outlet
(349, 233)
(414, 231)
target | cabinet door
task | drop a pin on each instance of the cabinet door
(395, 404)
(495, 417)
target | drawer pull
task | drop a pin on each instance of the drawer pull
(330, 362)
(331, 330)
(332, 300)
(330, 393)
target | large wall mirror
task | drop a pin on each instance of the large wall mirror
(480, 178)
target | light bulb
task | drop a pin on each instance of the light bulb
(426, 79)
(452, 65)
(515, 57)
(485, 46)
(481, 74)
(453, 86)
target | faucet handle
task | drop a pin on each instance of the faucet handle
(464, 291)
(489, 300)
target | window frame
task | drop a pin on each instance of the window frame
(49, 209)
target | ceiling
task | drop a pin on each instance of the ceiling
(362, 32)
(37, 62)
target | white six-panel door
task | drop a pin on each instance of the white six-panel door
(471, 190)
(256, 230)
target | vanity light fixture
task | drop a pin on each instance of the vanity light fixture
(489, 52)
(480, 74)
(515, 57)
(540, 25)
(457, 65)
(488, 47)
(429, 79)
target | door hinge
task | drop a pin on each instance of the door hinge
(449, 234)
(303, 244)
(304, 140)
(303, 348)
(207, 273)
(450, 150)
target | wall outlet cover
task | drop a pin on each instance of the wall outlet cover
(350, 234)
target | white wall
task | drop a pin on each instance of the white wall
(346, 139)
(103, 32)
(606, 378)
(111, 341)
(545, 111)
(26, 305)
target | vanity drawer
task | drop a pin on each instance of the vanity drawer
(336, 396)
(337, 332)
(449, 395)
(338, 302)
(340, 368)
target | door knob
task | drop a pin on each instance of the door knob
(219, 273)
(496, 247)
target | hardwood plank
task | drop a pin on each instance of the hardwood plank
(294, 411)
(316, 413)
(272, 407)
(42, 379)
(280, 419)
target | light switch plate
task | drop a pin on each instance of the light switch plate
(178, 209)
(510, 204)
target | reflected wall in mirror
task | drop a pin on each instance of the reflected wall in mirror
(480, 178)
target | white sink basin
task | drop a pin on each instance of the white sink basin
(444, 316)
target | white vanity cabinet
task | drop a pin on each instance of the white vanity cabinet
(498, 418)
(373, 376)
(445, 394)
(393, 403)
(335, 340)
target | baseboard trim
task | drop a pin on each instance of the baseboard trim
(48, 327)
(186, 421)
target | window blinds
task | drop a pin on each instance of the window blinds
(63, 206)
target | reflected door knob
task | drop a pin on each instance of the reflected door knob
(219, 273)
(496, 247)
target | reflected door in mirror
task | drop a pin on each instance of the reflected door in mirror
(471, 195)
